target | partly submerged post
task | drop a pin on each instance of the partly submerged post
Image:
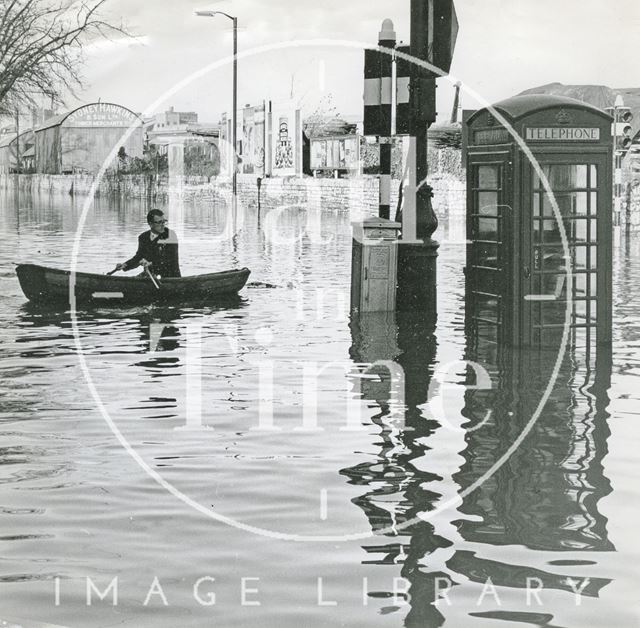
(434, 29)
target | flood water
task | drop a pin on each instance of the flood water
(312, 489)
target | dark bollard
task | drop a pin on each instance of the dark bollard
(417, 263)
(259, 184)
(417, 275)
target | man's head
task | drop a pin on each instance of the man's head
(156, 221)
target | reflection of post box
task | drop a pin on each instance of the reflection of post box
(373, 265)
(529, 221)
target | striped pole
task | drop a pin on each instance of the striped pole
(387, 39)
(379, 101)
(385, 178)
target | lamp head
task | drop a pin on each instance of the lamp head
(209, 13)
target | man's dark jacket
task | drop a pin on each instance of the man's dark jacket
(161, 252)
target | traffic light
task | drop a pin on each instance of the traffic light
(621, 128)
(414, 76)
(623, 120)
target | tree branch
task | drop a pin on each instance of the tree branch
(41, 46)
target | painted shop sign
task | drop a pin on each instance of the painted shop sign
(101, 115)
(563, 134)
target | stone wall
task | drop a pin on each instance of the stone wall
(138, 186)
(358, 197)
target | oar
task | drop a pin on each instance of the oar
(154, 281)
(115, 270)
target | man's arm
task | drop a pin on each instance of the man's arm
(137, 258)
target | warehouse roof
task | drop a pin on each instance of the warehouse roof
(59, 119)
(7, 141)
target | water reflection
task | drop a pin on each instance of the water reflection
(399, 487)
(539, 507)
(545, 497)
(155, 335)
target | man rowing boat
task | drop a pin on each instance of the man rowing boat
(157, 248)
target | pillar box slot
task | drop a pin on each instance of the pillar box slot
(518, 290)
(374, 265)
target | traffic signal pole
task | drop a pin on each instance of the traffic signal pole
(621, 133)
(617, 201)
(418, 252)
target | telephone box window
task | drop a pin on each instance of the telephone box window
(573, 186)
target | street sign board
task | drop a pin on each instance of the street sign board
(443, 27)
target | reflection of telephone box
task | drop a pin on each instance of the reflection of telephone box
(374, 265)
(518, 287)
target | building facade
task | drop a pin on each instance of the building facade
(82, 140)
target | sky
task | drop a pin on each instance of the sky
(504, 47)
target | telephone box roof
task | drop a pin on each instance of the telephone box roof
(520, 106)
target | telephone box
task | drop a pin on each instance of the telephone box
(517, 286)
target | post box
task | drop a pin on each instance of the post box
(374, 263)
(518, 290)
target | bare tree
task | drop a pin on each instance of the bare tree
(41, 47)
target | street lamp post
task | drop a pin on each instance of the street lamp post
(234, 113)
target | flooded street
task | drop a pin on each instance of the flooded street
(305, 487)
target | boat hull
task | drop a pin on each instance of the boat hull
(41, 284)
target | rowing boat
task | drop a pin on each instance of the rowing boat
(42, 284)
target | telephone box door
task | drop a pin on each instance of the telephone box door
(489, 254)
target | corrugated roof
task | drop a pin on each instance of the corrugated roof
(55, 121)
(6, 141)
